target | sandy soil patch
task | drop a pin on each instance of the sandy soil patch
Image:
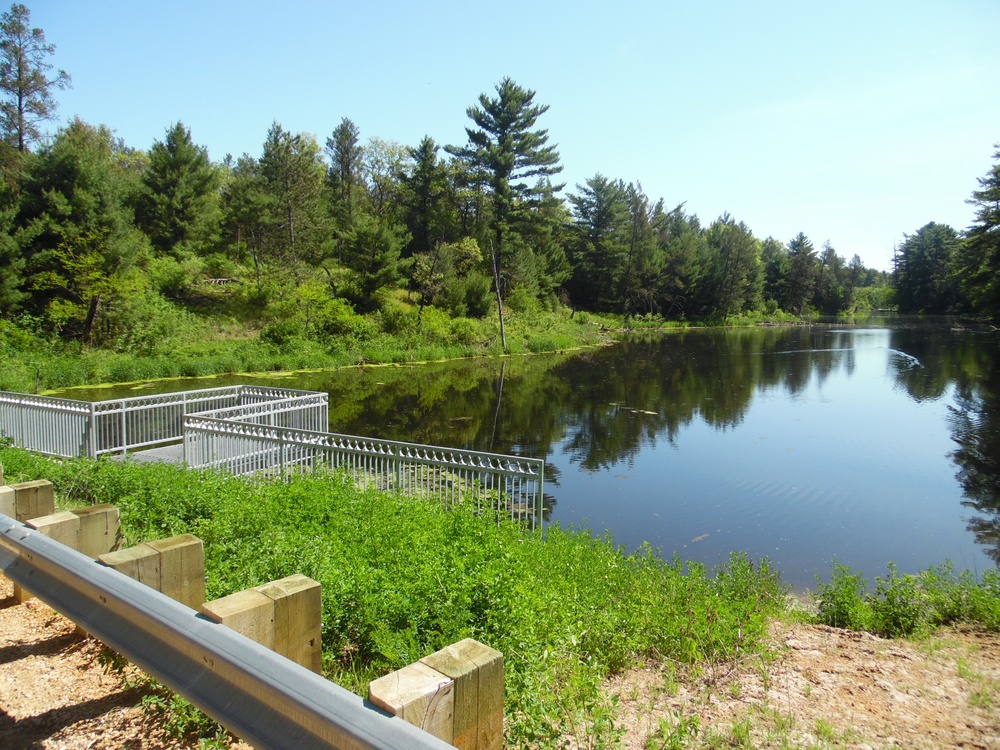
(826, 687)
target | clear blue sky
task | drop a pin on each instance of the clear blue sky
(854, 122)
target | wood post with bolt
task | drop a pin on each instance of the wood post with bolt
(174, 566)
(455, 694)
(33, 499)
(286, 616)
(92, 531)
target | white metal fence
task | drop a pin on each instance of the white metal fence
(272, 432)
(514, 485)
(68, 428)
(57, 426)
(310, 411)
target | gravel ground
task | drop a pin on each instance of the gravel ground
(54, 694)
(828, 688)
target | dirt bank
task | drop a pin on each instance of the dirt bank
(822, 688)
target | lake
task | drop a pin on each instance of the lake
(805, 444)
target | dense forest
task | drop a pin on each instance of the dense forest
(108, 244)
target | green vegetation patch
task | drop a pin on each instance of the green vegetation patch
(402, 578)
(903, 605)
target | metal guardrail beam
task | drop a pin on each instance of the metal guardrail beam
(265, 699)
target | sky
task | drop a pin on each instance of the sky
(854, 122)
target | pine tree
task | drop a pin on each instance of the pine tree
(924, 270)
(291, 174)
(179, 205)
(344, 175)
(25, 87)
(506, 146)
(76, 231)
(979, 257)
(801, 273)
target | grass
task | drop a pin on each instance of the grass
(33, 362)
(403, 578)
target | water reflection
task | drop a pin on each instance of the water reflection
(966, 361)
(803, 444)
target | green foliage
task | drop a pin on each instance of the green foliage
(183, 721)
(675, 733)
(178, 207)
(842, 602)
(74, 228)
(925, 265)
(507, 149)
(977, 264)
(908, 604)
(730, 279)
(372, 250)
(402, 578)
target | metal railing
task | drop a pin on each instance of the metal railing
(68, 428)
(262, 431)
(305, 412)
(260, 696)
(57, 426)
(125, 424)
(513, 485)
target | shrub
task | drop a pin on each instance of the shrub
(464, 331)
(906, 604)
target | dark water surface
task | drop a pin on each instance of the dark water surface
(804, 445)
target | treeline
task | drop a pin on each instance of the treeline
(109, 244)
(97, 234)
(939, 270)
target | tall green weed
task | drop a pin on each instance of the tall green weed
(402, 578)
(909, 604)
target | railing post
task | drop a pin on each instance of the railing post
(540, 510)
(124, 437)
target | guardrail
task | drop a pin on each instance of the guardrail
(513, 485)
(258, 695)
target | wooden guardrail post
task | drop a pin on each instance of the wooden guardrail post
(33, 499)
(456, 694)
(7, 505)
(285, 616)
(100, 529)
(92, 530)
(27, 500)
(182, 568)
(174, 566)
